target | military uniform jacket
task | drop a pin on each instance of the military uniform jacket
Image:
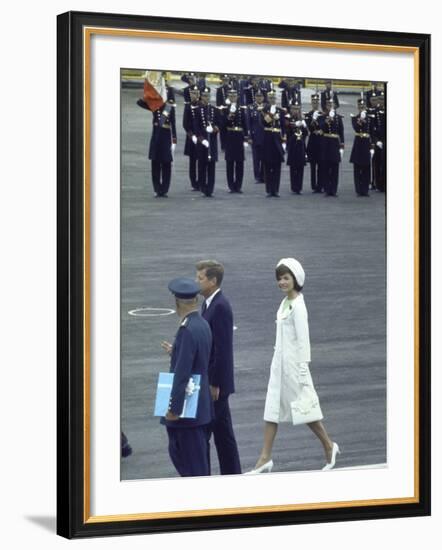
(221, 95)
(220, 318)
(237, 132)
(379, 129)
(163, 132)
(329, 94)
(254, 122)
(249, 95)
(205, 115)
(274, 135)
(314, 140)
(190, 355)
(296, 136)
(163, 135)
(188, 125)
(332, 138)
(360, 153)
(289, 96)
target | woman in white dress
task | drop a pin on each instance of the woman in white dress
(290, 381)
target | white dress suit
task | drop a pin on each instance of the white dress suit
(289, 370)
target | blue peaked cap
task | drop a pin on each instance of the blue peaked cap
(184, 287)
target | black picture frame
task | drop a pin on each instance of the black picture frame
(73, 518)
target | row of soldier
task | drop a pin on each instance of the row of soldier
(246, 114)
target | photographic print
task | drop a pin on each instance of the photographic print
(243, 274)
(247, 170)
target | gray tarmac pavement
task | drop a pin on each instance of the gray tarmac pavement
(341, 244)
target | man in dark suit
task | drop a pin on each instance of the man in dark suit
(190, 353)
(218, 313)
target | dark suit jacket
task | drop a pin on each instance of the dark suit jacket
(220, 318)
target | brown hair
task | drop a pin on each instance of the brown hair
(282, 270)
(213, 269)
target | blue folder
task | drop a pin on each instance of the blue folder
(164, 388)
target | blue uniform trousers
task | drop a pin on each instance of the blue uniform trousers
(235, 174)
(161, 174)
(189, 450)
(361, 179)
(206, 177)
(329, 177)
(225, 442)
(272, 176)
(296, 177)
(258, 169)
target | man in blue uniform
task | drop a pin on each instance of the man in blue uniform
(274, 145)
(190, 149)
(162, 144)
(329, 94)
(206, 128)
(218, 313)
(332, 149)
(256, 133)
(379, 138)
(314, 142)
(190, 353)
(234, 121)
(363, 149)
(296, 130)
(291, 92)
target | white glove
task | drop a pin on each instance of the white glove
(371, 153)
(246, 144)
(298, 123)
(341, 152)
(273, 109)
(209, 129)
(379, 144)
(172, 147)
(304, 124)
(315, 115)
(228, 101)
(284, 146)
(363, 115)
(205, 143)
(233, 108)
(194, 139)
(332, 113)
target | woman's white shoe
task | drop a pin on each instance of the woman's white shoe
(265, 468)
(335, 452)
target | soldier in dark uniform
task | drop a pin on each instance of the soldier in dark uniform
(376, 90)
(379, 138)
(162, 146)
(296, 131)
(190, 148)
(250, 88)
(332, 149)
(223, 102)
(291, 93)
(190, 79)
(206, 129)
(234, 120)
(190, 354)
(314, 143)
(274, 144)
(256, 132)
(363, 149)
(327, 94)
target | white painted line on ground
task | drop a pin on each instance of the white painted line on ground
(151, 312)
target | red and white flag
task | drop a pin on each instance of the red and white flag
(155, 93)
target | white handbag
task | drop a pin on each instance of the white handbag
(305, 408)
